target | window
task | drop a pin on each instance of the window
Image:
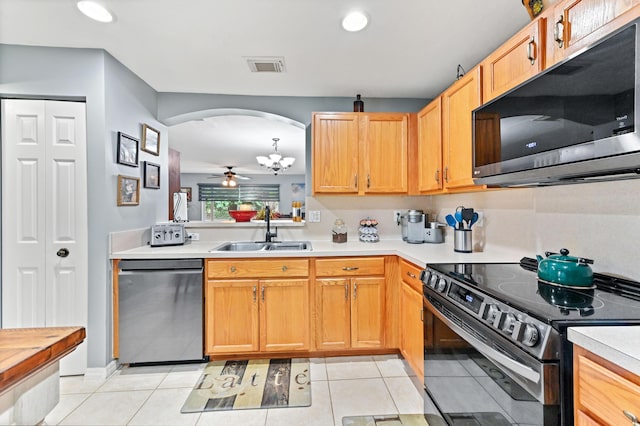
(217, 199)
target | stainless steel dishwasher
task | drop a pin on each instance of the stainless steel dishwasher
(160, 310)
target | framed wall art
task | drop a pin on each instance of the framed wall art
(128, 191)
(151, 175)
(187, 190)
(150, 140)
(127, 150)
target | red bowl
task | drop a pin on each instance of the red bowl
(242, 215)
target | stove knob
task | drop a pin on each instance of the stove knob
(425, 276)
(508, 323)
(441, 285)
(492, 313)
(433, 280)
(530, 335)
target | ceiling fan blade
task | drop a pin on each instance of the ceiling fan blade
(242, 177)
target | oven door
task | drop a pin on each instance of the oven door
(489, 381)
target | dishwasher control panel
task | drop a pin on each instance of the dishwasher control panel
(167, 235)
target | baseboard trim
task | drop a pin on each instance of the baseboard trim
(102, 373)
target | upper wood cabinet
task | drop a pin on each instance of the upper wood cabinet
(458, 101)
(429, 152)
(360, 153)
(575, 24)
(517, 60)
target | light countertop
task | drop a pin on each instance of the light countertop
(419, 254)
(620, 345)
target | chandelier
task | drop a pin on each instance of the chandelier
(275, 162)
(229, 181)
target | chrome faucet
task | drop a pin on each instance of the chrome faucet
(270, 235)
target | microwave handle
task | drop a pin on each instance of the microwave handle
(491, 353)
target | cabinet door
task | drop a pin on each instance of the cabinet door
(335, 153)
(284, 315)
(574, 24)
(517, 60)
(457, 104)
(430, 147)
(384, 140)
(231, 316)
(367, 312)
(333, 326)
(411, 339)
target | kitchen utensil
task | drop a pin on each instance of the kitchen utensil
(565, 270)
(474, 219)
(451, 221)
(458, 217)
(467, 216)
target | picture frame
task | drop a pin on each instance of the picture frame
(128, 190)
(150, 140)
(151, 175)
(187, 190)
(128, 152)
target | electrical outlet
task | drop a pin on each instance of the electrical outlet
(480, 221)
(313, 216)
(193, 236)
(396, 216)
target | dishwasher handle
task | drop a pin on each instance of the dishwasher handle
(161, 271)
(159, 264)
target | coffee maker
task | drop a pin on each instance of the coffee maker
(413, 223)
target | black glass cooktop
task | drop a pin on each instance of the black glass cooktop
(519, 287)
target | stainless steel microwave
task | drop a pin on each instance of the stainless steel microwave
(572, 123)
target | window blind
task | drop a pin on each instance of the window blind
(217, 192)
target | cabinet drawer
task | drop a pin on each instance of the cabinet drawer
(410, 274)
(263, 268)
(603, 393)
(349, 266)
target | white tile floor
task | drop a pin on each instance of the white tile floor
(342, 386)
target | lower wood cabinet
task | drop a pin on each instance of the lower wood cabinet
(411, 318)
(350, 309)
(251, 315)
(603, 391)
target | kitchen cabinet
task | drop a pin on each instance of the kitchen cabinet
(411, 318)
(458, 101)
(517, 60)
(603, 391)
(360, 153)
(350, 303)
(257, 305)
(575, 24)
(430, 147)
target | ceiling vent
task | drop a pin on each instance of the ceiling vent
(266, 64)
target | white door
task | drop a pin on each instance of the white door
(44, 218)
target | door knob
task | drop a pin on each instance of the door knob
(63, 252)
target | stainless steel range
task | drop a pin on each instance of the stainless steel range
(516, 365)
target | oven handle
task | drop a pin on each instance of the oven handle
(490, 352)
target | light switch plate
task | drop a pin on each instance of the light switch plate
(313, 216)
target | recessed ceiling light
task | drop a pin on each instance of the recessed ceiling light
(355, 21)
(95, 11)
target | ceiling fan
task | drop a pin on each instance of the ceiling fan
(230, 176)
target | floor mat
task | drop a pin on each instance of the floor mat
(257, 383)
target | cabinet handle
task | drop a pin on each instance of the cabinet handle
(233, 269)
(355, 290)
(422, 315)
(368, 181)
(437, 176)
(284, 268)
(355, 181)
(346, 292)
(531, 50)
(262, 293)
(254, 294)
(632, 417)
(446, 174)
(350, 268)
(558, 31)
(410, 275)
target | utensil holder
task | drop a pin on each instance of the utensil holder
(462, 241)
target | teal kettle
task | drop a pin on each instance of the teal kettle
(565, 270)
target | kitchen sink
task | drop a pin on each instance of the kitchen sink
(262, 246)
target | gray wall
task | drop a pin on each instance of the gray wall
(116, 99)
